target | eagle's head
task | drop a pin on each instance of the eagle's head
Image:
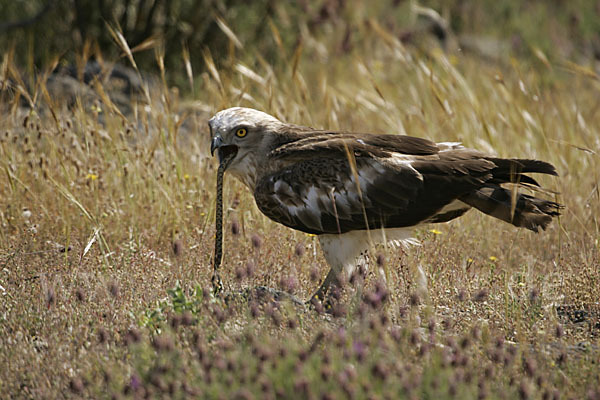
(240, 137)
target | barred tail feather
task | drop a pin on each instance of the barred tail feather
(512, 170)
(529, 212)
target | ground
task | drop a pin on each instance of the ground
(108, 229)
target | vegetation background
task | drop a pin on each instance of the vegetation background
(107, 200)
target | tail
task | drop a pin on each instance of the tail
(512, 170)
(524, 211)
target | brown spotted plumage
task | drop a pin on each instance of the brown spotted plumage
(352, 188)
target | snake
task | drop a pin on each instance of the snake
(217, 283)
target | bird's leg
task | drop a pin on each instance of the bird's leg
(324, 294)
(217, 283)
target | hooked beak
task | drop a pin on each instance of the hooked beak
(217, 142)
(225, 152)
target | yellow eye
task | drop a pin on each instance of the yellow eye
(241, 132)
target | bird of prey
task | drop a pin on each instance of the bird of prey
(355, 189)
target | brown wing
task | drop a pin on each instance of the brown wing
(324, 195)
(394, 181)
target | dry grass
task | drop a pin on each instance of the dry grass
(470, 313)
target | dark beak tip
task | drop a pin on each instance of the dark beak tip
(215, 144)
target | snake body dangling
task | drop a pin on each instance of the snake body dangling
(217, 283)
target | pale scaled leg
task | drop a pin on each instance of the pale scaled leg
(341, 252)
(333, 277)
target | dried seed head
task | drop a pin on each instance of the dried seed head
(292, 323)
(250, 269)
(431, 325)
(414, 338)
(380, 371)
(452, 389)
(396, 333)
(175, 320)
(289, 283)
(314, 273)
(482, 393)
(76, 385)
(338, 310)
(524, 390)
(162, 343)
(299, 250)
(496, 356)
(481, 295)
(424, 349)
(106, 375)
(465, 342)
(276, 318)
(384, 319)
(354, 278)
(499, 342)
(447, 323)
(102, 335)
(177, 247)
(219, 314)
(80, 295)
(113, 288)
(414, 299)
(476, 332)
(235, 227)
(488, 372)
(326, 373)
(254, 310)
(539, 381)
(265, 385)
(468, 373)
(133, 336)
(240, 273)
(256, 241)
(362, 271)
(50, 297)
(559, 331)
(301, 385)
(381, 290)
(534, 295)
(402, 311)
(530, 366)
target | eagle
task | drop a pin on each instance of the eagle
(356, 189)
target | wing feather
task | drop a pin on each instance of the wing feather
(324, 144)
(322, 195)
(402, 180)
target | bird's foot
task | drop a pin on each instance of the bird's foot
(325, 300)
(217, 284)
